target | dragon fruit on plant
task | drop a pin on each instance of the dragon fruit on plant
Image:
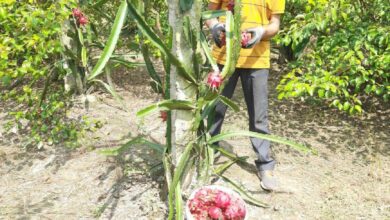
(230, 6)
(164, 116)
(214, 80)
(83, 20)
(80, 17)
(77, 12)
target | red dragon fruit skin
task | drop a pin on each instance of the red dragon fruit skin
(241, 210)
(222, 200)
(201, 193)
(215, 212)
(214, 80)
(215, 204)
(245, 38)
(77, 12)
(230, 6)
(83, 20)
(223, 38)
(194, 205)
(164, 116)
(232, 212)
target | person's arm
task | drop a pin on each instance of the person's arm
(213, 6)
(216, 28)
(272, 28)
(264, 32)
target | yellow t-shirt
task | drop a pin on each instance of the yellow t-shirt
(253, 13)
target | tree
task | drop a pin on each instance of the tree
(182, 89)
(341, 52)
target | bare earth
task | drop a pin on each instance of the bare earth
(348, 179)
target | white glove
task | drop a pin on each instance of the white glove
(257, 34)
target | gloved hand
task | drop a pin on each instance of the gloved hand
(257, 34)
(216, 31)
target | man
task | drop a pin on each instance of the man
(261, 18)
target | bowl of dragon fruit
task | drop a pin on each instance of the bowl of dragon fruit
(215, 203)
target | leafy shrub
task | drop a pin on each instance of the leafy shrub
(30, 68)
(340, 51)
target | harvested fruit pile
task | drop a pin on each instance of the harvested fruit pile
(214, 203)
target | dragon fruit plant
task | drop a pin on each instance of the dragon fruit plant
(192, 91)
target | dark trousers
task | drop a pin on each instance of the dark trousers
(254, 83)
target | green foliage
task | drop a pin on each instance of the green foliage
(156, 40)
(340, 51)
(29, 38)
(31, 69)
(112, 41)
(42, 47)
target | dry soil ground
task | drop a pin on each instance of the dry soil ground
(348, 179)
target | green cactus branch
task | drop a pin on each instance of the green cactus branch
(184, 72)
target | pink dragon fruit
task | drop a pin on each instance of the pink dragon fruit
(222, 200)
(223, 38)
(77, 12)
(215, 204)
(232, 212)
(83, 20)
(241, 210)
(195, 205)
(215, 212)
(230, 6)
(214, 80)
(245, 38)
(164, 116)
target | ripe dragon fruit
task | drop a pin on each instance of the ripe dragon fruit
(241, 210)
(77, 12)
(215, 204)
(79, 16)
(215, 212)
(214, 80)
(163, 116)
(83, 20)
(232, 212)
(202, 193)
(222, 37)
(230, 6)
(195, 205)
(245, 38)
(222, 200)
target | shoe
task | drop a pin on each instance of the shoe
(268, 180)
